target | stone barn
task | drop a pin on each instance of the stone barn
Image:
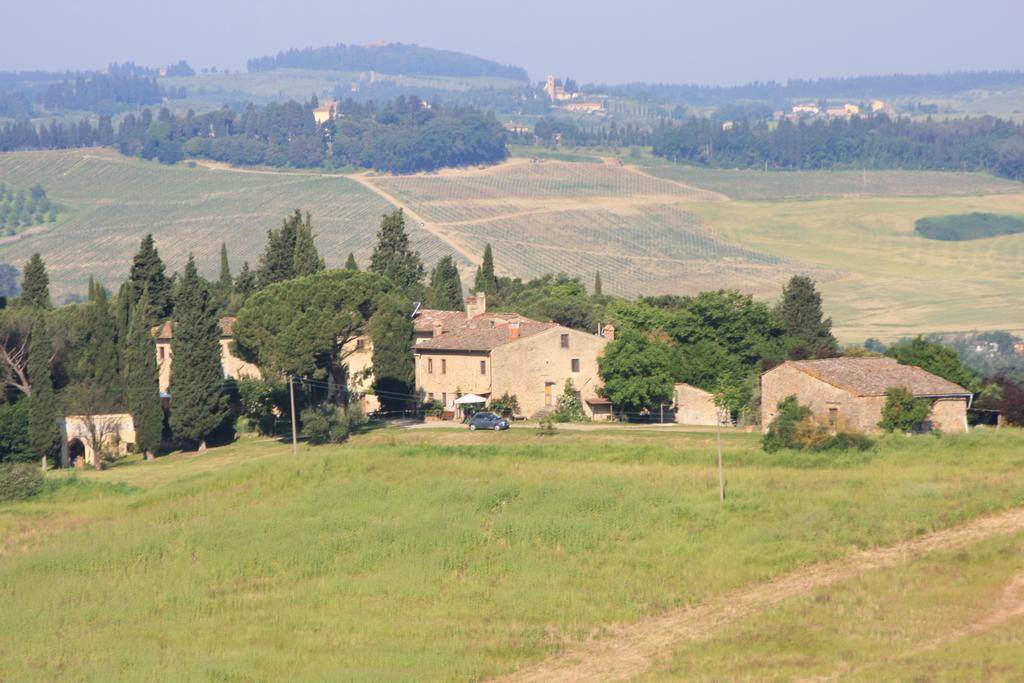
(695, 406)
(852, 391)
(82, 435)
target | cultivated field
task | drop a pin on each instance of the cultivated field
(113, 201)
(440, 554)
(581, 218)
(895, 281)
(749, 184)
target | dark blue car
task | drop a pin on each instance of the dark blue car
(487, 421)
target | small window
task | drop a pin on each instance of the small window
(430, 366)
(575, 365)
(483, 367)
(444, 366)
(565, 341)
(162, 353)
(360, 344)
(430, 397)
(833, 416)
(444, 399)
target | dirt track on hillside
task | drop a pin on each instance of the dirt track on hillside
(632, 649)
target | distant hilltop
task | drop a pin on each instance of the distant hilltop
(389, 58)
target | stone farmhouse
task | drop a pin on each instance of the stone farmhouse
(851, 392)
(491, 354)
(232, 366)
(694, 406)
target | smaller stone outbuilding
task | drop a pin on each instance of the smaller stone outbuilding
(851, 392)
(82, 435)
(695, 406)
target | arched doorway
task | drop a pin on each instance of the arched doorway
(76, 449)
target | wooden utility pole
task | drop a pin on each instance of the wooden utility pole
(721, 473)
(295, 431)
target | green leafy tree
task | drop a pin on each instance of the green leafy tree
(277, 263)
(199, 404)
(43, 432)
(902, 411)
(394, 259)
(301, 327)
(14, 441)
(35, 288)
(149, 273)
(636, 370)
(937, 359)
(391, 330)
(783, 432)
(445, 286)
(306, 260)
(350, 262)
(570, 407)
(808, 332)
(142, 382)
(485, 280)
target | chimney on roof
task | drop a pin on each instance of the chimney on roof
(513, 330)
(608, 332)
(476, 304)
(438, 328)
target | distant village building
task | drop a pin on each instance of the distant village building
(555, 92)
(325, 112)
(232, 366)
(806, 109)
(583, 107)
(516, 128)
(492, 354)
(850, 392)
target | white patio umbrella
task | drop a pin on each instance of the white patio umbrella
(469, 399)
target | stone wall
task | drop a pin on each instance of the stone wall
(535, 368)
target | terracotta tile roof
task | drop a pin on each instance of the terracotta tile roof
(479, 334)
(873, 376)
(425, 319)
(166, 330)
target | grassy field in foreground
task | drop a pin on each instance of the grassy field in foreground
(440, 554)
(955, 615)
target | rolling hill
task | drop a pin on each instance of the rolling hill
(648, 230)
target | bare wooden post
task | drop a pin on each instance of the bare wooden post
(721, 473)
(295, 431)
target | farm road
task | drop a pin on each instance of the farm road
(632, 649)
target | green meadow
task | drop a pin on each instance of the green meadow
(439, 554)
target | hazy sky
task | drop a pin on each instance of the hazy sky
(721, 42)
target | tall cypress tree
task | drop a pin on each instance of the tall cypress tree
(485, 281)
(198, 402)
(306, 260)
(394, 259)
(142, 381)
(148, 272)
(350, 263)
(43, 431)
(245, 283)
(277, 263)
(98, 364)
(598, 289)
(445, 286)
(225, 284)
(391, 330)
(808, 332)
(35, 288)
